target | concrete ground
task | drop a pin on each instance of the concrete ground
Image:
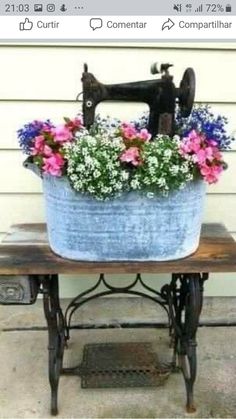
(24, 388)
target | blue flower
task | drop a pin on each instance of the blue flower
(28, 133)
(203, 120)
(142, 122)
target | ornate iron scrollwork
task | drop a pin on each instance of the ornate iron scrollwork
(181, 299)
(91, 294)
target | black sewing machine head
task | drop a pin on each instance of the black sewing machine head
(161, 95)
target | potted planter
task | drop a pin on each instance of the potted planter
(113, 193)
(131, 227)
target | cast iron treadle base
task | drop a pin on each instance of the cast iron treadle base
(111, 365)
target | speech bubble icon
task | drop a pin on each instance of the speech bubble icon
(95, 23)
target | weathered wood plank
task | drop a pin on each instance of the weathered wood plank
(217, 231)
(36, 233)
(216, 253)
(26, 234)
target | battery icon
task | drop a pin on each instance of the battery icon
(228, 8)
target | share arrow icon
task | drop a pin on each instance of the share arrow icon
(168, 24)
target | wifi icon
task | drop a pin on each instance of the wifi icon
(199, 9)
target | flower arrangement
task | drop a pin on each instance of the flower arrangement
(113, 157)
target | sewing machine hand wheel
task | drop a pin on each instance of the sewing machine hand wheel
(187, 92)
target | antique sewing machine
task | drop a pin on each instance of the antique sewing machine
(161, 95)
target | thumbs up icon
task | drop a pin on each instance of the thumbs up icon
(27, 25)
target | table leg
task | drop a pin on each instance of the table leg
(56, 334)
(185, 295)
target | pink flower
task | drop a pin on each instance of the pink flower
(131, 155)
(61, 134)
(211, 173)
(144, 135)
(185, 148)
(53, 164)
(46, 128)
(78, 122)
(217, 154)
(192, 143)
(129, 131)
(212, 142)
(209, 153)
(38, 145)
(74, 124)
(47, 151)
(204, 154)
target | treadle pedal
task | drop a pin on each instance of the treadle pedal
(114, 365)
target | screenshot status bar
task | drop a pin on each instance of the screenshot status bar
(122, 7)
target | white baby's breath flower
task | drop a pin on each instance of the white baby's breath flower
(184, 168)
(152, 160)
(118, 142)
(161, 182)
(174, 169)
(135, 184)
(177, 139)
(119, 185)
(92, 141)
(124, 175)
(89, 161)
(94, 164)
(189, 177)
(168, 153)
(97, 173)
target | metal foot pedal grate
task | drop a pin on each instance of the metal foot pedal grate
(113, 365)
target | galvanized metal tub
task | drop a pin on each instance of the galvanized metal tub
(132, 227)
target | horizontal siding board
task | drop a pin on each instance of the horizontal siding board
(23, 112)
(2, 235)
(220, 285)
(30, 208)
(14, 114)
(36, 73)
(21, 180)
(222, 209)
(20, 209)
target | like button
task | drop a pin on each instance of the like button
(27, 25)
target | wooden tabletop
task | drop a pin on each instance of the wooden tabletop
(25, 250)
